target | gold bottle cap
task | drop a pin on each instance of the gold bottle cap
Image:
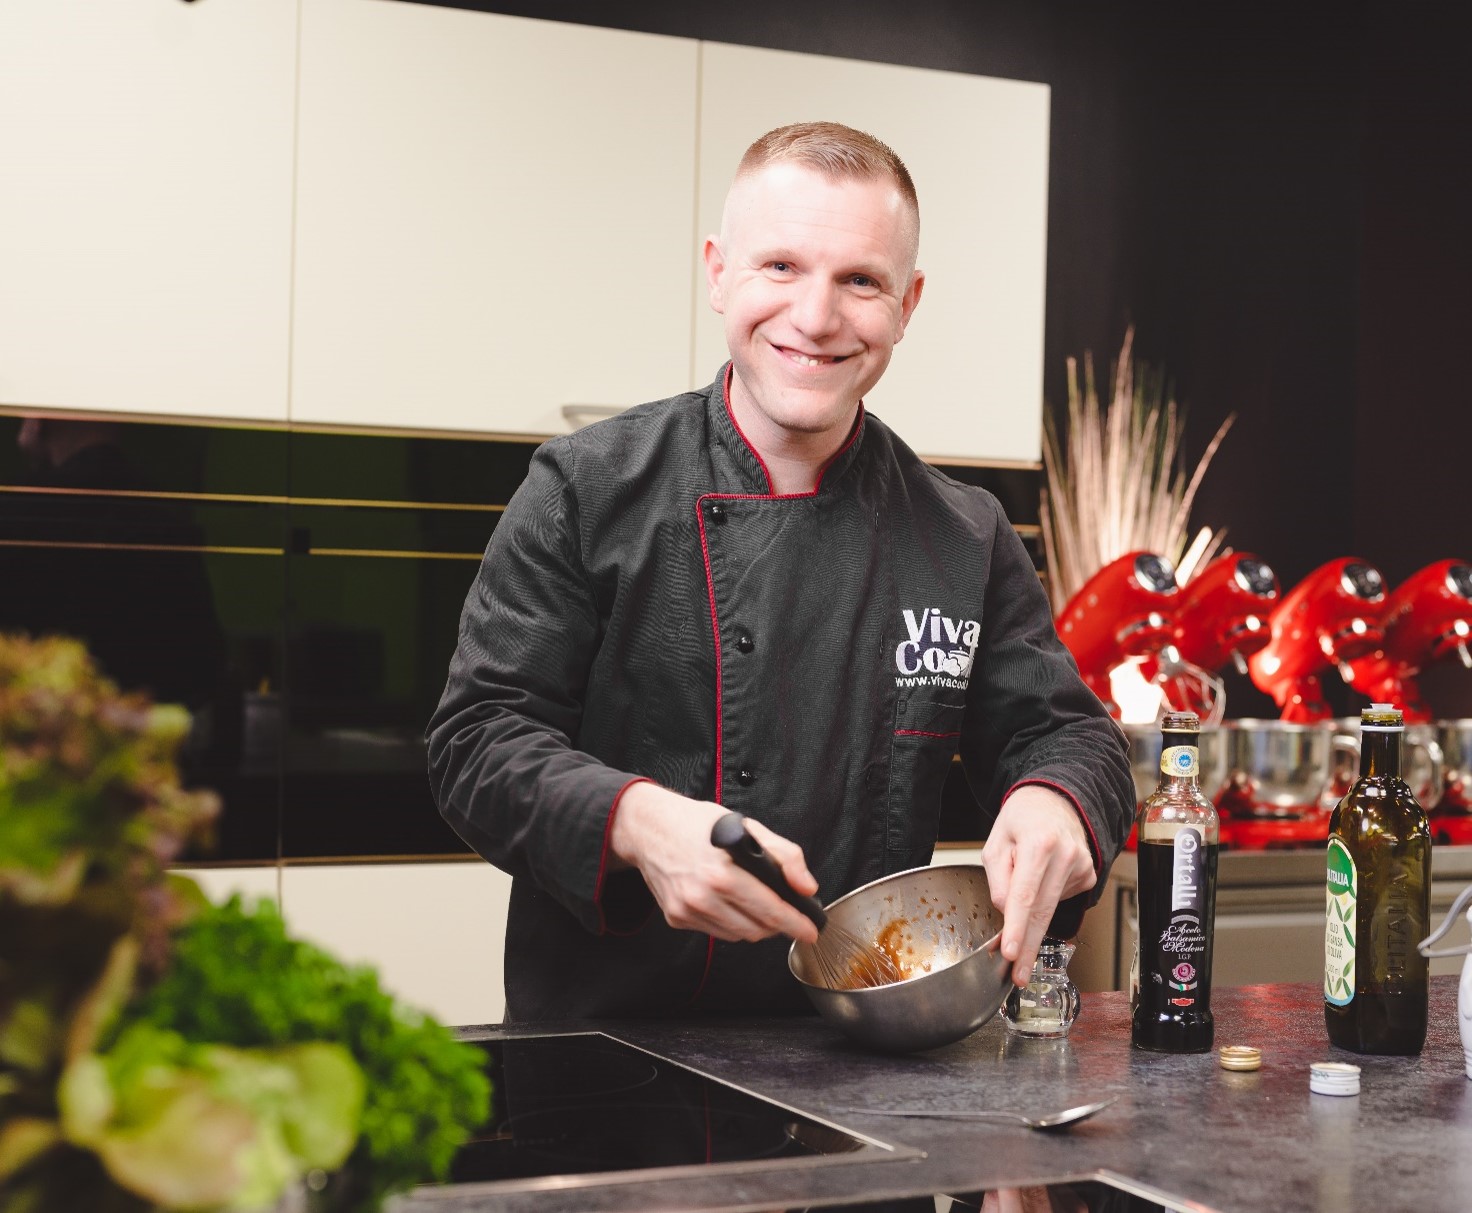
(1239, 1057)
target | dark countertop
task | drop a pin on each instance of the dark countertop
(1184, 1127)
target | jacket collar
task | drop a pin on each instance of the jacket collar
(752, 468)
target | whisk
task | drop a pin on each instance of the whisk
(845, 962)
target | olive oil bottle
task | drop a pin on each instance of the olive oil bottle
(1179, 834)
(1379, 901)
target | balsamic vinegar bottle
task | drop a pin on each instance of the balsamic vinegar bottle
(1379, 901)
(1178, 841)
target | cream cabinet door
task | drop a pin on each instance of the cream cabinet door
(435, 932)
(967, 380)
(494, 218)
(145, 215)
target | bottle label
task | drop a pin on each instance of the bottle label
(1178, 761)
(1340, 925)
(1181, 947)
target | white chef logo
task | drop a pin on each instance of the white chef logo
(938, 650)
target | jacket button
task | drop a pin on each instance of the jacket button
(717, 512)
(745, 778)
(744, 642)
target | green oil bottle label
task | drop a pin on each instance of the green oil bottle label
(1339, 926)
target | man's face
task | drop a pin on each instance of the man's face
(816, 282)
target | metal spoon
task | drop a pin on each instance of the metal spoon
(1055, 1120)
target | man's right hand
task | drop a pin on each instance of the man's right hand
(666, 836)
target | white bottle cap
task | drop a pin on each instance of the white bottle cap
(1333, 1078)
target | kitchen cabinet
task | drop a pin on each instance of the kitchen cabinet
(435, 932)
(966, 383)
(494, 218)
(145, 223)
(251, 884)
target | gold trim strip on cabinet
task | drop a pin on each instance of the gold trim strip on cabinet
(255, 499)
(143, 547)
(404, 555)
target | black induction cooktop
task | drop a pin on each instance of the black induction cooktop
(586, 1107)
(580, 1109)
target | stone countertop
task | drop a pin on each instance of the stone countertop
(1184, 1128)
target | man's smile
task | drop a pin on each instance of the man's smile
(803, 359)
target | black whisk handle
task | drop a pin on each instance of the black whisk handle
(729, 833)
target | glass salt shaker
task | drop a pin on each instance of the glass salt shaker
(1048, 1004)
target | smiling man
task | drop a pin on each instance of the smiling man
(756, 597)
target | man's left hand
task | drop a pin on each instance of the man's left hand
(1037, 855)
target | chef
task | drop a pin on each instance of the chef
(755, 597)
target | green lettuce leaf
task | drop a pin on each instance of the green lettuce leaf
(210, 1126)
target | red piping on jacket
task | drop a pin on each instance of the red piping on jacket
(769, 495)
(921, 733)
(710, 584)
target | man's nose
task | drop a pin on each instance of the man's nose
(815, 311)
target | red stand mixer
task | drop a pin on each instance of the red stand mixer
(1122, 611)
(1221, 618)
(1427, 618)
(1330, 618)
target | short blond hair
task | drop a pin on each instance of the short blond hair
(838, 152)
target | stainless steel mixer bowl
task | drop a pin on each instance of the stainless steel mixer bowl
(1455, 739)
(1145, 745)
(1425, 764)
(1285, 768)
(937, 917)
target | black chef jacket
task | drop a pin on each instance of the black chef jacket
(647, 608)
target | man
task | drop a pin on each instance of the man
(756, 597)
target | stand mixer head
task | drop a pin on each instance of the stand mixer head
(1427, 618)
(1330, 618)
(1122, 611)
(1222, 616)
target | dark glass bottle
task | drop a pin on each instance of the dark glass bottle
(1178, 843)
(1379, 901)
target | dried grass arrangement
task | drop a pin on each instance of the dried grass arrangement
(1115, 481)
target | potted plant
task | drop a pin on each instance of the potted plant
(161, 1052)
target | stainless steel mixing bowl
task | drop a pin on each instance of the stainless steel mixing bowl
(1280, 769)
(934, 921)
(1425, 763)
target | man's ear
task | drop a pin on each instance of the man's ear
(715, 267)
(910, 300)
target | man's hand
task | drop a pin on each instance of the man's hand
(1037, 855)
(697, 885)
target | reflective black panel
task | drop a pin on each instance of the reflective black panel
(298, 591)
(1459, 580)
